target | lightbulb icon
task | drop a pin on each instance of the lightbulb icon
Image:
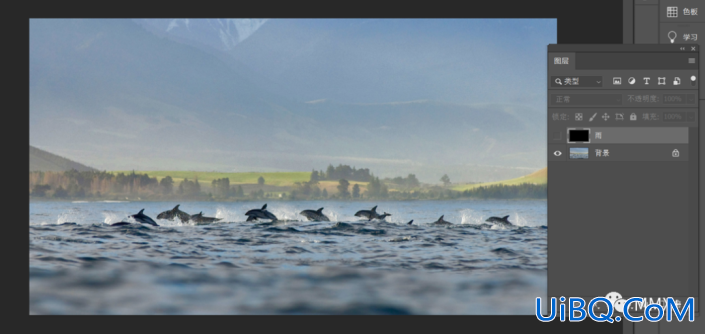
(672, 36)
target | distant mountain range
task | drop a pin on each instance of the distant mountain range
(43, 161)
(121, 95)
(220, 34)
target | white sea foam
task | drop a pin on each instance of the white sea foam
(171, 223)
(520, 220)
(470, 216)
(229, 215)
(287, 212)
(336, 216)
(72, 216)
(112, 217)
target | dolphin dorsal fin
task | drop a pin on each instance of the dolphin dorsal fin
(139, 213)
(264, 207)
(505, 217)
(319, 210)
(411, 221)
(373, 209)
(176, 207)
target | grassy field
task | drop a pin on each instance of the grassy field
(281, 179)
(537, 177)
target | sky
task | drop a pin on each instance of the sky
(398, 96)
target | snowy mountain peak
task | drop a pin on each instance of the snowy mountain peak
(223, 34)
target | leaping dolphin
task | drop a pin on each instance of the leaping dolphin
(144, 219)
(174, 213)
(382, 216)
(440, 221)
(199, 219)
(498, 220)
(315, 215)
(369, 214)
(262, 213)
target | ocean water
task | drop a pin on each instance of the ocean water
(346, 266)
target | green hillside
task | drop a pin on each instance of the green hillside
(43, 161)
(537, 177)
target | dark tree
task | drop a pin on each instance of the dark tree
(189, 188)
(74, 190)
(221, 187)
(330, 173)
(343, 185)
(356, 191)
(197, 185)
(306, 189)
(60, 192)
(255, 194)
(314, 176)
(167, 185)
(445, 179)
(324, 193)
(374, 188)
(260, 181)
(39, 190)
(412, 181)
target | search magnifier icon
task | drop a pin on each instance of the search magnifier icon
(558, 81)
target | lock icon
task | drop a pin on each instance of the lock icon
(632, 117)
(676, 154)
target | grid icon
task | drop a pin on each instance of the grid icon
(671, 11)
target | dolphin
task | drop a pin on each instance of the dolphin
(499, 220)
(120, 224)
(174, 213)
(409, 223)
(144, 219)
(262, 213)
(315, 215)
(199, 219)
(381, 217)
(440, 221)
(369, 214)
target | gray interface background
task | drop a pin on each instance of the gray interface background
(646, 22)
(638, 205)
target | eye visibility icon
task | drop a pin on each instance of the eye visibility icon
(558, 81)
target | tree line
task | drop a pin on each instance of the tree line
(79, 184)
(75, 184)
(341, 172)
